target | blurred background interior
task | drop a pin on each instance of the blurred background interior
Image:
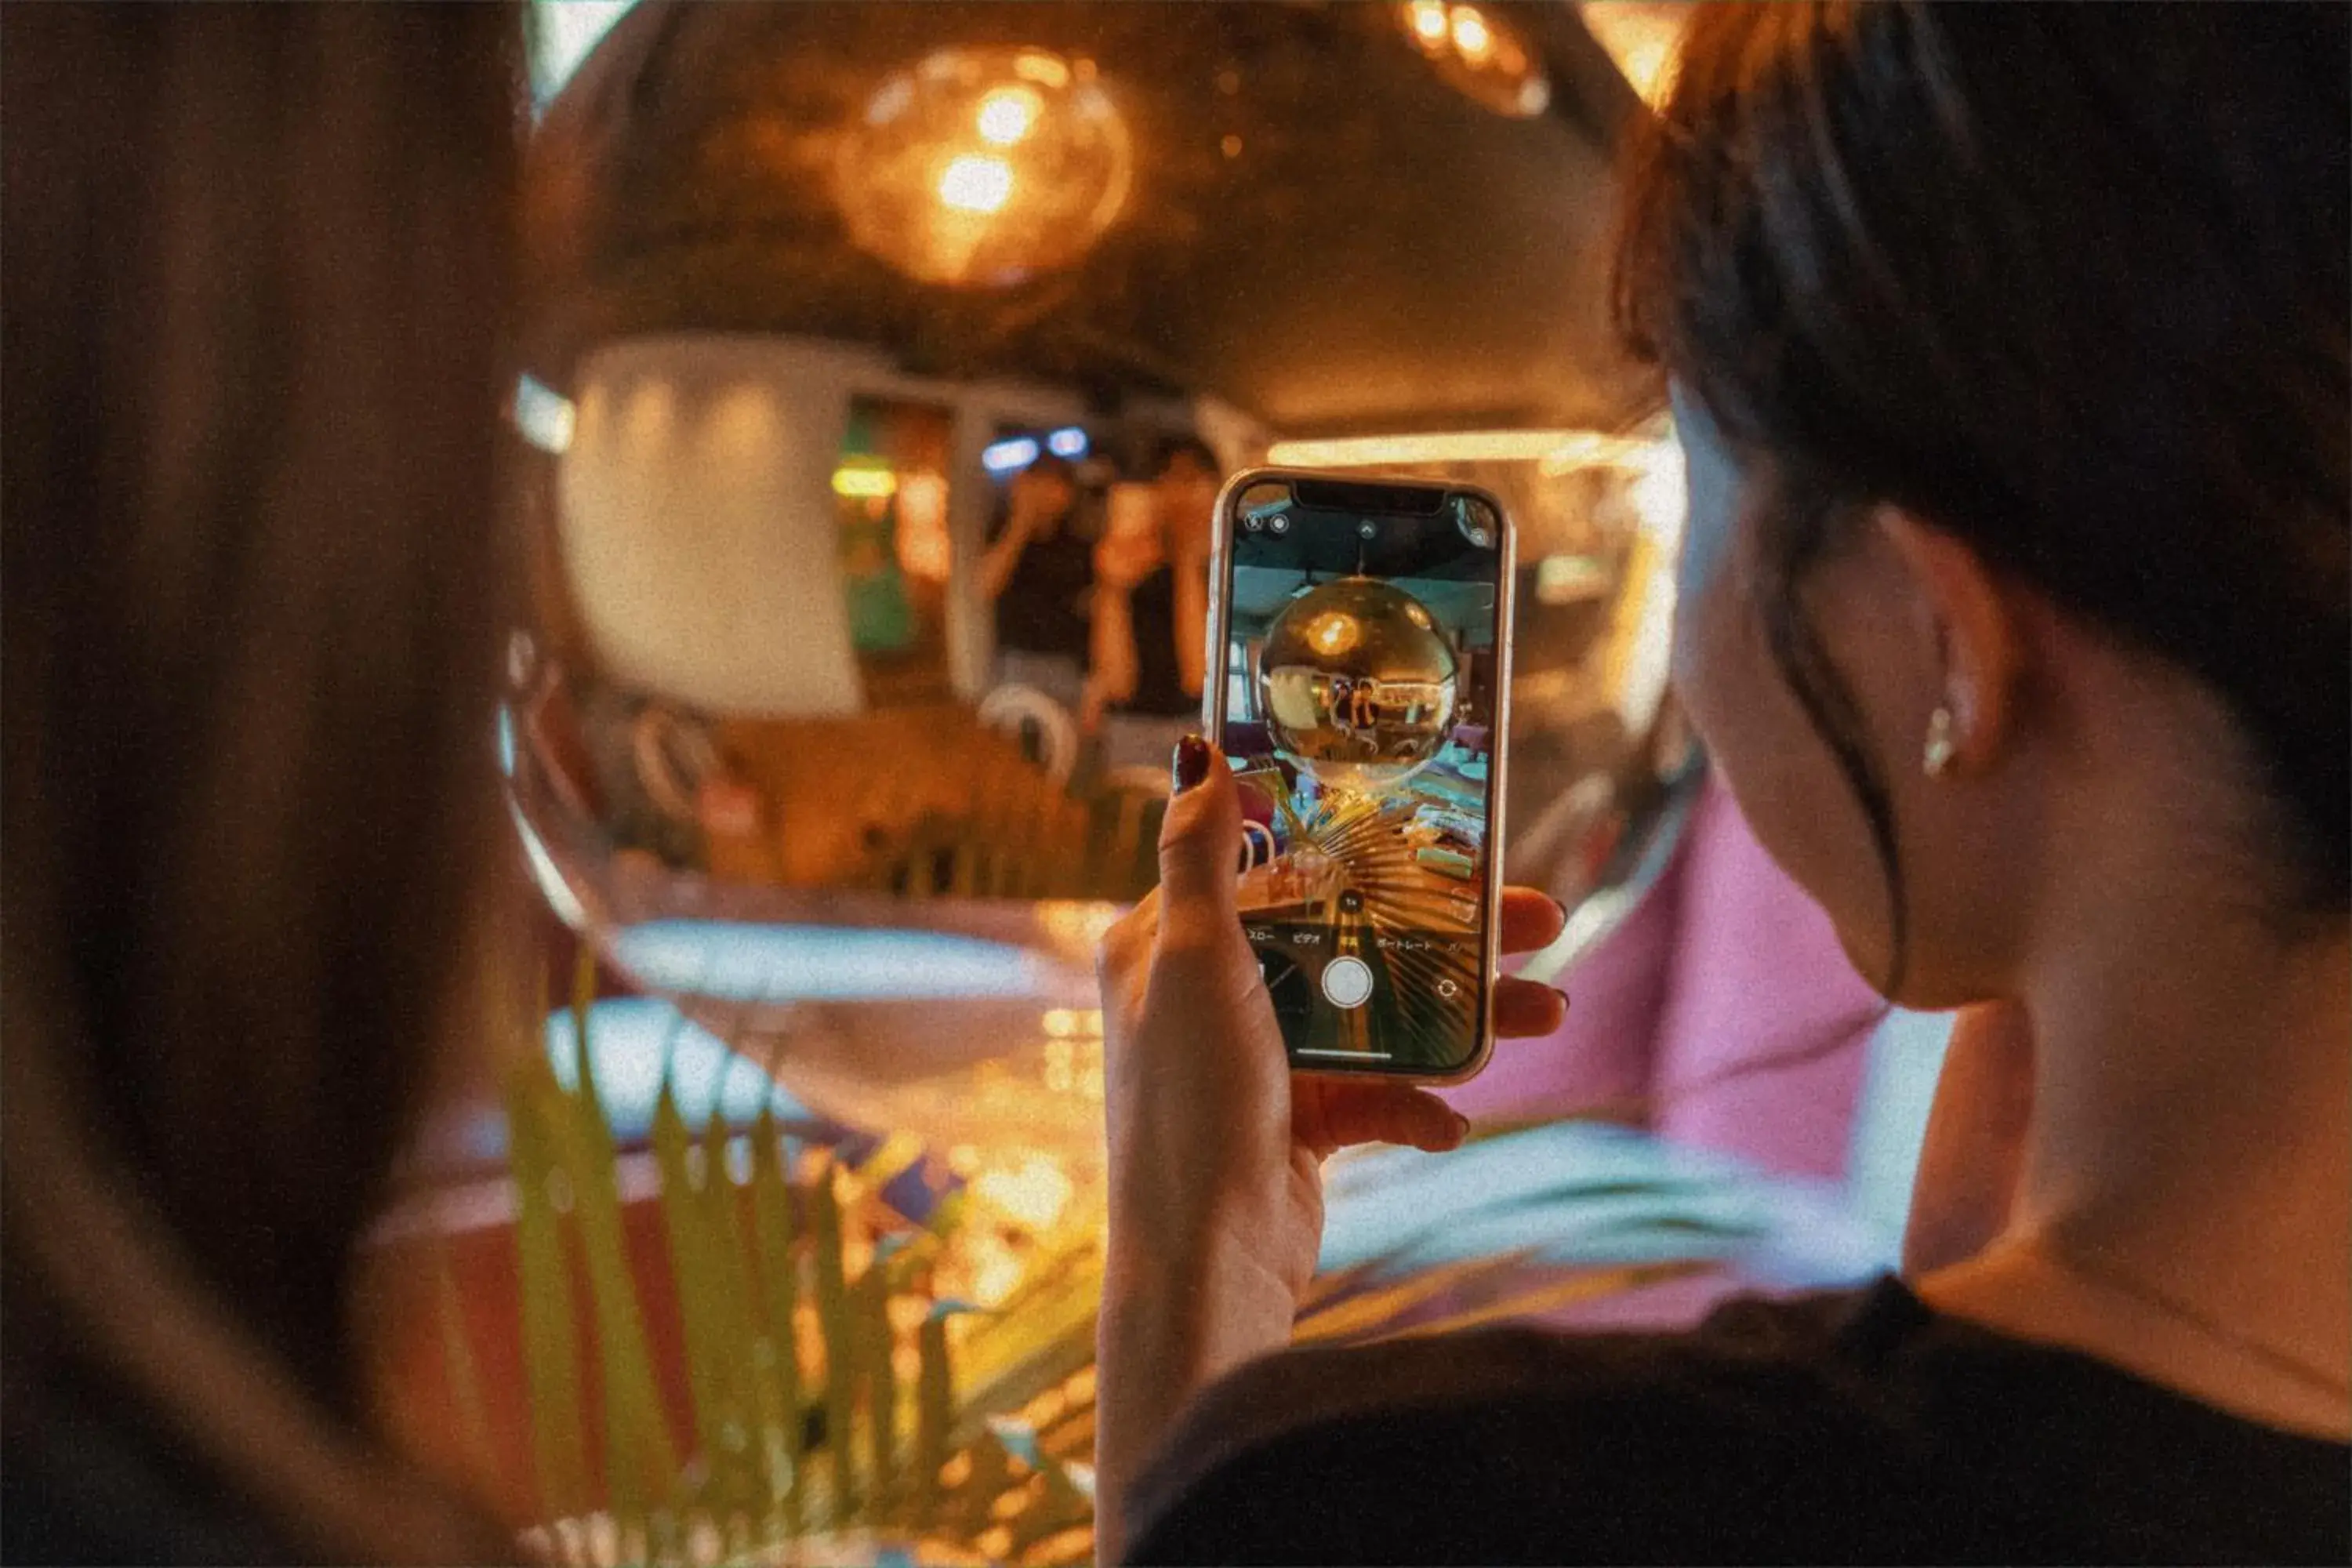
(883, 362)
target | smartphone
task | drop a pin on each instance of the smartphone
(1360, 669)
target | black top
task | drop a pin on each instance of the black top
(1847, 1428)
(1158, 679)
(1044, 607)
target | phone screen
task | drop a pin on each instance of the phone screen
(1362, 658)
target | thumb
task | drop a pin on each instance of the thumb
(1200, 837)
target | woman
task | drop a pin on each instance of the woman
(1039, 574)
(252, 295)
(2008, 348)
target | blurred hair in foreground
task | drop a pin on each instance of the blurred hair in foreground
(255, 281)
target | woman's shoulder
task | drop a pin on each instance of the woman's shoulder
(1845, 1425)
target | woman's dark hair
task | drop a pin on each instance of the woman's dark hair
(2067, 281)
(251, 299)
(1175, 446)
(1053, 466)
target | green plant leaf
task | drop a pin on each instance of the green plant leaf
(691, 1272)
(729, 1221)
(772, 1217)
(871, 1304)
(640, 1462)
(550, 1342)
(840, 1337)
(934, 1413)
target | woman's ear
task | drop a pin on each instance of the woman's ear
(1974, 622)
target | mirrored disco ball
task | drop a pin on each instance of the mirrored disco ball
(1357, 684)
(828, 301)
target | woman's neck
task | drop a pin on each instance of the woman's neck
(2185, 1209)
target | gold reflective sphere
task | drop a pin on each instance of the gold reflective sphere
(1358, 686)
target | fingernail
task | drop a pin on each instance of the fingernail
(1461, 1127)
(1564, 1002)
(1192, 764)
(1560, 907)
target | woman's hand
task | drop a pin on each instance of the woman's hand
(1216, 1194)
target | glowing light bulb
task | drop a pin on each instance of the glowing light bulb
(976, 185)
(1472, 37)
(984, 167)
(1335, 634)
(1483, 54)
(1006, 115)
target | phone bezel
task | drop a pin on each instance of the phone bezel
(1218, 678)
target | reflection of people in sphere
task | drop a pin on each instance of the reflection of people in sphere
(1039, 574)
(1358, 685)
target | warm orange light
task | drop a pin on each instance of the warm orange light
(1643, 37)
(1484, 55)
(1472, 37)
(1435, 446)
(1006, 115)
(1335, 633)
(975, 185)
(1047, 70)
(983, 167)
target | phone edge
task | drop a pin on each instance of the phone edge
(1216, 677)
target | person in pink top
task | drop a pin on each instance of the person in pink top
(1722, 1014)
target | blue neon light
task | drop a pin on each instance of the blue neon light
(1009, 456)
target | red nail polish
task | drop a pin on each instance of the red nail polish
(1192, 764)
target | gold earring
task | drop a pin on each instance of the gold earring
(1937, 755)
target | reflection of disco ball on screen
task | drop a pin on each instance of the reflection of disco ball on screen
(1357, 684)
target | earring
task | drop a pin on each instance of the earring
(1937, 755)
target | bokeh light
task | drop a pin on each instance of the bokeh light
(984, 167)
(1481, 54)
